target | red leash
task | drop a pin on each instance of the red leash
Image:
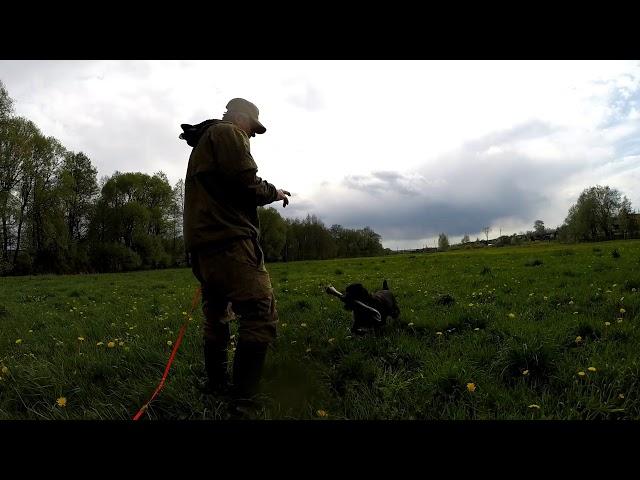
(183, 329)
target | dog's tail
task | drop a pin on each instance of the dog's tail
(385, 285)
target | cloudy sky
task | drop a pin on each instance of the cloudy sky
(409, 148)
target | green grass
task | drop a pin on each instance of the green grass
(469, 316)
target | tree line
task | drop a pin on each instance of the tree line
(309, 239)
(600, 213)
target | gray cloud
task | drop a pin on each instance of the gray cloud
(386, 181)
(486, 180)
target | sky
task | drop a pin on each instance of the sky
(408, 148)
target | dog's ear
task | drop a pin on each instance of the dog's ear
(385, 285)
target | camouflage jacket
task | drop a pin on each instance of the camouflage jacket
(222, 190)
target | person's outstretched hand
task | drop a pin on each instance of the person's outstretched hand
(282, 195)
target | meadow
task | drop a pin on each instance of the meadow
(545, 331)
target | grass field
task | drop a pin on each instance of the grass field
(536, 332)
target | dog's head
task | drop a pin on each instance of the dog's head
(353, 292)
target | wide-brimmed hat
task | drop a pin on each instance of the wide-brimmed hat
(244, 106)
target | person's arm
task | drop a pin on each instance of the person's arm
(263, 191)
(232, 150)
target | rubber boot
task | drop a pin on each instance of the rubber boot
(247, 372)
(215, 364)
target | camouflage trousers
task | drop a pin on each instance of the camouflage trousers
(235, 283)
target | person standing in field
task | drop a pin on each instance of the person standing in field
(221, 233)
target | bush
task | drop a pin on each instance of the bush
(151, 251)
(23, 265)
(485, 270)
(443, 242)
(5, 267)
(533, 263)
(632, 283)
(114, 257)
(445, 299)
(536, 358)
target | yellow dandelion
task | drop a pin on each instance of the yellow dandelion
(534, 405)
(99, 344)
(578, 339)
(169, 342)
(581, 374)
(18, 341)
(471, 387)
(62, 401)
(184, 313)
(512, 315)
(321, 413)
(606, 324)
(592, 369)
(111, 344)
(622, 310)
(81, 339)
(5, 370)
(525, 373)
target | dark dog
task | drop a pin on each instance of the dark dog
(370, 311)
